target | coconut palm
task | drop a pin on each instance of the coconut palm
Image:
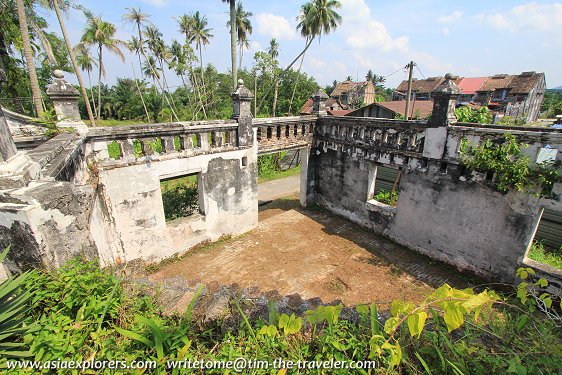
(135, 47)
(100, 34)
(317, 18)
(74, 62)
(232, 22)
(28, 52)
(139, 19)
(243, 29)
(200, 35)
(86, 63)
(273, 51)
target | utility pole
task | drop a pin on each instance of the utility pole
(411, 67)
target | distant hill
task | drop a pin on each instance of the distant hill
(559, 88)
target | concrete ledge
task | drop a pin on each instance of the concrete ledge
(552, 274)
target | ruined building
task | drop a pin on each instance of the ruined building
(518, 96)
(97, 191)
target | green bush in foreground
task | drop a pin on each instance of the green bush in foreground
(84, 312)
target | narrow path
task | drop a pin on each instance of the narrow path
(275, 189)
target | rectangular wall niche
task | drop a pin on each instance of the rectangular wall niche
(181, 196)
(383, 184)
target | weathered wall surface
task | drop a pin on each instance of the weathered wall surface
(464, 223)
(129, 213)
(46, 224)
(461, 220)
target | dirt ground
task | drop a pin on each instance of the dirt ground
(315, 254)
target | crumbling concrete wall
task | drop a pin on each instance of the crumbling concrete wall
(46, 224)
(129, 214)
(464, 223)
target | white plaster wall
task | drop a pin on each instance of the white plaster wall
(133, 196)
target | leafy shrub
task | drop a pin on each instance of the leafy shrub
(13, 305)
(477, 116)
(387, 197)
(512, 169)
(83, 312)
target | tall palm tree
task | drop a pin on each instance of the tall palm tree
(233, 40)
(28, 52)
(74, 63)
(317, 17)
(273, 51)
(243, 29)
(134, 46)
(138, 19)
(86, 63)
(200, 35)
(101, 34)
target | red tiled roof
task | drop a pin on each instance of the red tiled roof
(469, 86)
(306, 109)
(421, 107)
(338, 113)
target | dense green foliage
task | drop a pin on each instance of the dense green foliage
(477, 116)
(270, 164)
(82, 312)
(180, 197)
(387, 197)
(49, 51)
(552, 104)
(510, 167)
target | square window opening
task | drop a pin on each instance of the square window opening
(181, 196)
(384, 182)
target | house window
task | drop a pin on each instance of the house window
(383, 184)
(181, 196)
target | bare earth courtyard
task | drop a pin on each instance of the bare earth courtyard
(315, 254)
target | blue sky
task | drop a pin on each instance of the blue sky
(467, 38)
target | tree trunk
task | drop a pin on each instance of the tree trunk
(92, 93)
(296, 84)
(286, 70)
(233, 42)
(275, 96)
(36, 91)
(240, 63)
(100, 63)
(140, 93)
(73, 59)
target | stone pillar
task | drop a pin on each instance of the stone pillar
(241, 99)
(444, 99)
(7, 145)
(65, 100)
(319, 102)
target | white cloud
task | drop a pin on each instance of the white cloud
(275, 26)
(361, 30)
(156, 3)
(445, 31)
(255, 46)
(527, 17)
(450, 18)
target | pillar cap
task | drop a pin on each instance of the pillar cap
(60, 87)
(242, 92)
(448, 87)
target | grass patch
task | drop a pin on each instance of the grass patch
(113, 122)
(544, 255)
(279, 174)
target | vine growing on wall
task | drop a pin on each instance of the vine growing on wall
(511, 168)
